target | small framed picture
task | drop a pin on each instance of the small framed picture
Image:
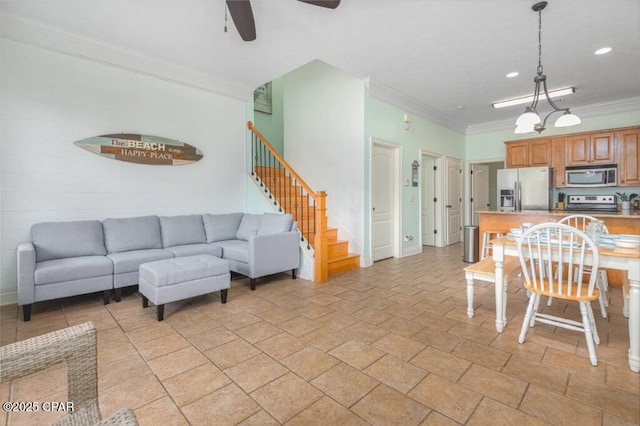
(262, 99)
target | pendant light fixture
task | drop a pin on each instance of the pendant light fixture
(530, 120)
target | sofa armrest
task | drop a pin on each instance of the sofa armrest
(269, 254)
(26, 273)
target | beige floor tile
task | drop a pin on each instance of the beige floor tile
(330, 413)
(257, 331)
(400, 321)
(40, 416)
(176, 362)
(386, 406)
(556, 409)
(548, 377)
(626, 404)
(450, 399)
(226, 406)
(396, 373)
(211, 338)
(281, 345)
(441, 363)
(623, 378)
(325, 338)
(501, 387)
(286, 396)
(186, 387)
(365, 332)
(490, 412)
(483, 355)
(36, 386)
(160, 412)
(436, 419)
(357, 354)
(255, 372)
(309, 362)
(399, 346)
(261, 418)
(345, 384)
(232, 353)
(161, 346)
(299, 325)
(132, 393)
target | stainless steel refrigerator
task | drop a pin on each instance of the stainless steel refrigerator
(528, 188)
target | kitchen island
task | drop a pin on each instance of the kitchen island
(616, 222)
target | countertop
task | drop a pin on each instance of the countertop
(618, 215)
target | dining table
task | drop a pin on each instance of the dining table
(613, 257)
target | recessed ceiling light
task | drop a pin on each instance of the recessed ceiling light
(460, 107)
(513, 74)
(603, 50)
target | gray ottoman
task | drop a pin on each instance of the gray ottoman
(171, 280)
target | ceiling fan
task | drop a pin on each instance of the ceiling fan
(242, 15)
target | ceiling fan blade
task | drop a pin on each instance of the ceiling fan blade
(242, 15)
(330, 4)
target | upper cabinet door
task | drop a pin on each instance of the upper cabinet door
(603, 148)
(577, 150)
(539, 153)
(590, 148)
(628, 148)
(516, 155)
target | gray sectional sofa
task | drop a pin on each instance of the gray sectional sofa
(70, 258)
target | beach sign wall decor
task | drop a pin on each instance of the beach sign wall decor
(142, 149)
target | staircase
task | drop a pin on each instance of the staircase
(292, 195)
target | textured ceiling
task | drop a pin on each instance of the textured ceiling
(432, 55)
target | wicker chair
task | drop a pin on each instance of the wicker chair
(77, 346)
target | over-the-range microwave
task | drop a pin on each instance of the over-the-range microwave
(591, 176)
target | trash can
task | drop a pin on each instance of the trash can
(471, 244)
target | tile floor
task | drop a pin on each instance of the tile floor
(385, 345)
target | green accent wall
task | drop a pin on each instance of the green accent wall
(272, 125)
(386, 122)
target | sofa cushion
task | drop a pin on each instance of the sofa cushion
(180, 230)
(195, 249)
(248, 226)
(219, 227)
(129, 261)
(72, 268)
(59, 240)
(235, 250)
(133, 233)
(271, 223)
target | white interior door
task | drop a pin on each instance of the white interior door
(428, 211)
(383, 190)
(453, 200)
(479, 190)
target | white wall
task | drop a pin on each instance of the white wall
(50, 100)
(324, 140)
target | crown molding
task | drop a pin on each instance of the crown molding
(410, 105)
(594, 110)
(48, 38)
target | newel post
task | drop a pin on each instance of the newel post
(320, 246)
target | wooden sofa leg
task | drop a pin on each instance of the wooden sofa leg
(145, 302)
(252, 283)
(106, 297)
(118, 293)
(293, 274)
(160, 312)
(26, 311)
(223, 295)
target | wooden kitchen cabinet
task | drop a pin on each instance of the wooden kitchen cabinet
(528, 153)
(516, 154)
(628, 148)
(557, 156)
(590, 148)
(539, 151)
